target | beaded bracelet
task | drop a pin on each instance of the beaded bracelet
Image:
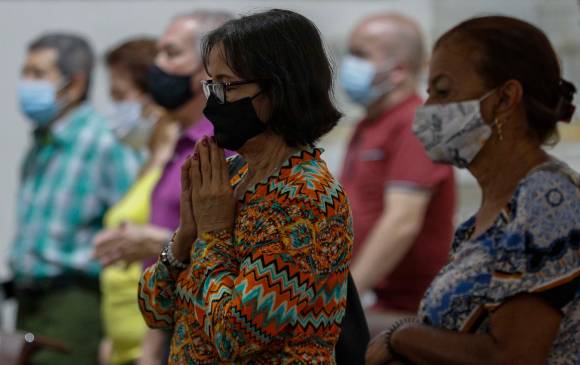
(404, 322)
(168, 258)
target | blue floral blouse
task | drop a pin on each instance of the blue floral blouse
(533, 247)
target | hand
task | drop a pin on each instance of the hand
(129, 243)
(153, 348)
(187, 231)
(377, 352)
(212, 196)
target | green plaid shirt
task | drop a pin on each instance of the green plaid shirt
(69, 179)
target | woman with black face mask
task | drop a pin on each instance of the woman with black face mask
(257, 271)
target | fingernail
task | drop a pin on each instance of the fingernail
(204, 141)
(196, 156)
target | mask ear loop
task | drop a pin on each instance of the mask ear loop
(385, 86)
(64, 84)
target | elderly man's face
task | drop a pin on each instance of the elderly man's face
(177, 52)
(42, 65)
(371, 41)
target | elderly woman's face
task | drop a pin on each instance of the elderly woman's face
(453, 76)
(220, 72)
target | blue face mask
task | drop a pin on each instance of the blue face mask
(129, 125)
(357, 76)
(38, 101)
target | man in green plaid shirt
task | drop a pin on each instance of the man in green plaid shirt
(74, 171)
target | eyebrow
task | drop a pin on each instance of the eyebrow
(222, 76)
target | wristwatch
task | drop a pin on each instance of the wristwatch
(168, 259)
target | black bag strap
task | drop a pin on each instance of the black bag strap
(354, 338)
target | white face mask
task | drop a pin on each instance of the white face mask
(128, 124)
(452, 133)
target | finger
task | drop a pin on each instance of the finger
(223, 164)
(204, 162)
(224, 167)
(195, 174)
(216, 163)
(185, 175)
(104, 253)
(105, 236)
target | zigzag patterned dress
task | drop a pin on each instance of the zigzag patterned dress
(273, 291)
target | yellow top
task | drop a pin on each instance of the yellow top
(123, 323)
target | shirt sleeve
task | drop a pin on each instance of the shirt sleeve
(157, 295)
(411, 168)
(539, 250)
(295, 277)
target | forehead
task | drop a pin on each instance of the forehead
(217, 66)
(457, 61)
(373, 34)
(120, 75)
(180, 32)
(44, 58)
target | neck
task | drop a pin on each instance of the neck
(391, 99)
(59, 118)
(499, 175)
(264, 154)
(190, 113)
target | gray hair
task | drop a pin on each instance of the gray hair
(75, 55)
(208, 20)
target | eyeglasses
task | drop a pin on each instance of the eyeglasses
(219, 88)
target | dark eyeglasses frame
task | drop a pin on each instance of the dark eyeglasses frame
(208, 89)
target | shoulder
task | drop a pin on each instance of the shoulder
(95, 130)
(312, 184)
(551, 187)
(546, 207)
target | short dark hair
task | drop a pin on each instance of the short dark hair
(284, 51)
(135, 57)
(512, 49)
(74, 53)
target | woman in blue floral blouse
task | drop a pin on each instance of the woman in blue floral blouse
(510, 293)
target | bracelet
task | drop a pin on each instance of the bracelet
(404, 322)
(167, 256)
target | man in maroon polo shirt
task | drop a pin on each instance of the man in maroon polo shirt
(402, 203)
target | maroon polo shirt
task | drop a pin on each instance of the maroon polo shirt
(385, 154)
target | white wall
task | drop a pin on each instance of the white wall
(106, 23)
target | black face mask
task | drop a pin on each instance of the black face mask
(169, 91)
(234, 123)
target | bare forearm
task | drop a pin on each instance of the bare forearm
(386, 247)
(157, 238)
(430, 346)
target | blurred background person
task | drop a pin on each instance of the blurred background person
(175, 85)
(402, 202)
(74, 171)
(139, 123)
(511, 291)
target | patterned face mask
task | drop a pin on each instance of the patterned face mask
(452, 133)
